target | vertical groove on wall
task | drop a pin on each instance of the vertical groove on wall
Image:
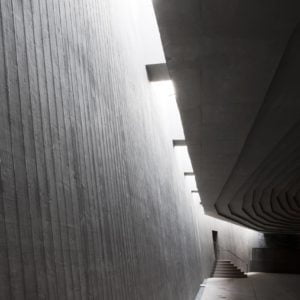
(91, 202)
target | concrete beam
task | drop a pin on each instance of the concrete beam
(158, 72)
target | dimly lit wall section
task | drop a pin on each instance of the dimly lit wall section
(92, 205)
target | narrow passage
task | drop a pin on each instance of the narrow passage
(258, 286)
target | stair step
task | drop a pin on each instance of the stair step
(218, 270)
(222, 267)
(228, 273)
(222, 272)
(231, 276)
(229, 267)
(226, 269)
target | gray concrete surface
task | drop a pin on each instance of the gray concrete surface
(235, 66)
(272, 260)
(258, 286)
(92, 203)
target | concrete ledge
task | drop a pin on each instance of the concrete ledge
(158, 72)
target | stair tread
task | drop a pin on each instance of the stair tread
(219, 274)
(230, 276)
(228, 273)
(226, 269)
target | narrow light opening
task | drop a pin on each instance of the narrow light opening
(191, 182)
(164, 93)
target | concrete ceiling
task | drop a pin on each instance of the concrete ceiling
(236, 69)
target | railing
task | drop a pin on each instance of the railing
(227, 254)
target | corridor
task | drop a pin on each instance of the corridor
(258, 286)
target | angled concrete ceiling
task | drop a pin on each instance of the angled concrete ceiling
(236, 69)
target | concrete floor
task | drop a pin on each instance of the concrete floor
(258, 286)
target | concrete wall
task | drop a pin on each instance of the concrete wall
(236, 242)
(279, 254)
(92, 205)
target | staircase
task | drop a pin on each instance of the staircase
(226, 269)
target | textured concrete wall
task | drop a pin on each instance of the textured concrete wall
(234, 242)
(92, 205)
(277, 254)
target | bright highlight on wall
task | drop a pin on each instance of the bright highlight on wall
(164, 92)
(164, 95)
(191, 182)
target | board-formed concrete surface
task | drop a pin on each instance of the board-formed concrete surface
(236, 67)
(258, 286)
(92, 203)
